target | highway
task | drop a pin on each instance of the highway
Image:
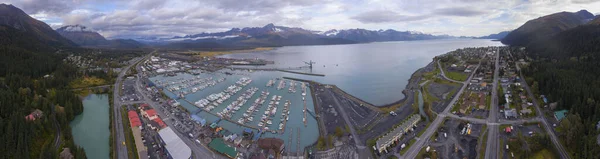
(121, 149)
(415, 148)
(199, 151)
(561, 150)
(491, 151)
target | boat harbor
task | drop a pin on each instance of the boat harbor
(262, 101)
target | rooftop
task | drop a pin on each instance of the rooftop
(174, 145)
(218, 145)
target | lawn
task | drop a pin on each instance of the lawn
(544, 154)
(457, 75)
(482, 148)
(410, 143)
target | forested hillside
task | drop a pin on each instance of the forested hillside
(566, 68)
(24, 89)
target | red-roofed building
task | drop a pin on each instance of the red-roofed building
(134, 119)
(160, 122)
(507, 130)
(150, 114)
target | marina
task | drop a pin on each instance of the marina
(262, 101)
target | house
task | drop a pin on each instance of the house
(274, 144)
(526, 111)
(559, 115)
(510, 113)
(507, 129)
(36, 114)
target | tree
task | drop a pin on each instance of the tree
(339, 132)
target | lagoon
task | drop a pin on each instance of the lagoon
(90, 128)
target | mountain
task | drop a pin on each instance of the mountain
(21, 26)
(498, 36)
(272, 35)
(88, 38)
(546, 26)
(363, 35)
(82, 35)
(268, 35)
(595, 21)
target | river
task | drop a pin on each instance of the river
(90, 128)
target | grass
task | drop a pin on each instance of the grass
(423, 131)
(488, 102)
(456, 75)
(129, 141)
(85, 82)
(544, 154)
(111, 138)
(410, 143)
(502, 148)
(483, 146)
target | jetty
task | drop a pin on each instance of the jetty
(302, 73)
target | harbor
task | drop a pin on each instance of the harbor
(262, 101)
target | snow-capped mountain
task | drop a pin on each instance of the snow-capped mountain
(272, 35)
(85, 36)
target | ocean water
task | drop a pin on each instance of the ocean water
(374, 72)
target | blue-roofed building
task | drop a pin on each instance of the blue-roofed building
(559, 115)
(199, 119)
(248, 133)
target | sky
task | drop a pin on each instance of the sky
(167, 18)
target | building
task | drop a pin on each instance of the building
(559, 115)
(135, 123)
(386, 140)
(176, 148)
(510, 113)
(219, 145)
(134, 119)
(150, 114)
(36, 114)
(273, 145)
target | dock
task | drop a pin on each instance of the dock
(305, 110)
(248, 126)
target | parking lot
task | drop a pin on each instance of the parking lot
(129, 92)
(453, 139)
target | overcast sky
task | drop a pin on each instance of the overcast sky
(166, 18)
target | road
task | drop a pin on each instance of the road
(491, 151)
(57, 127)
(415, 148)
(121, 149)
(199, 151)
(348, 123)
(561, 150)
(444, 74)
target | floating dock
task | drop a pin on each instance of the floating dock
(302, 73)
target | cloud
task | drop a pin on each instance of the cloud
(584, 1)
(50, 7)
(167, 18)
(459, 11)
(386, 17)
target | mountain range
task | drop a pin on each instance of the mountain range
(86, 37)
(272, 35)
(496, 36)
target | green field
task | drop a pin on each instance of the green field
(457, 75)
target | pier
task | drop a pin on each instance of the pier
(302, 73)
(252, 127)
